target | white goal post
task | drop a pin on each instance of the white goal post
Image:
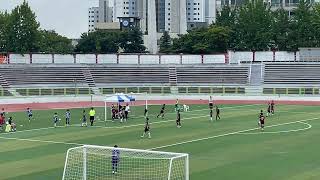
(103, 163)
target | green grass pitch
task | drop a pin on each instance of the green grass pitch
(221, 150)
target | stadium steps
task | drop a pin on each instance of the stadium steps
(5, 85)
(173, 80)
(90, 81)
(256, 74)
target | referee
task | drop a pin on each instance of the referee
(92, 113)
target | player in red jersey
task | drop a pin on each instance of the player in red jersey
(272, 107)
(262, 121)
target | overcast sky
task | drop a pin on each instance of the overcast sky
(67, 17)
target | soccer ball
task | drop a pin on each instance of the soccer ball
(59, 119)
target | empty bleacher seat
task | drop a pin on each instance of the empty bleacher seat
(130, 74)
(297, 73)
(36, 75)
(213, 74)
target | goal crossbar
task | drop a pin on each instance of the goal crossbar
(97, 162)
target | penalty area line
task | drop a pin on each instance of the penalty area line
(227, 134)
(309, 126)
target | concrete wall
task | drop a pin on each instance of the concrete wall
(64, 59)
(41, 58)
(191, 59)
(19, 58)
(107, 59)
(128, 59)
(149, 59)
(263, 56)
(213, 59)
(232, 58)
(86, 58)
(170, 59)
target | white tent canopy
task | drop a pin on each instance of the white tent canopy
(117, 98)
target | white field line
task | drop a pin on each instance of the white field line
(41, 141)
(121, 127)
(29, 130)
(170, 145)
(227, 134)
(309, 126)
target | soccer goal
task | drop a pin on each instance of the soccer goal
(102, 163)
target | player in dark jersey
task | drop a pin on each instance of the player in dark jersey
(126, 112)
(162, 111)
(262, 121)
(145, 112)
(55, 119)
(272, 107)
(176, 106)
(3, 112)
(115, 159)
(84, 119)
(260, 115)
(146, 129)
(211, 109)
(13, 125)
(178, 121)
(217, 113)
(269, 109)
(29, 113)
(114, 112)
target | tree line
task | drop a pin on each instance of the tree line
(252, 27)
(21, 33)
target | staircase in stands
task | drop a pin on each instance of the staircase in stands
(173, 80)
(90, 81)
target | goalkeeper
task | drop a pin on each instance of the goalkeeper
(115, 159)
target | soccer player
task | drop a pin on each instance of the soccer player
(84, 119)
(260, 115)
(113, 111)
(3, 112)
(176, 106)
(55, 119)
(162, 111)
(269, 109)
(121, 114)
(92, 113)
(217, 113)
(126, 112)
(272, 107)
(68, 116)
(211, 108)
(29, 113)
(115, 159)
(146, 129)
(178, 121)
(2, 121)
(13, 125)
(262, 121)
(146, 112)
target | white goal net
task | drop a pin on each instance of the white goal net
(104, 163)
